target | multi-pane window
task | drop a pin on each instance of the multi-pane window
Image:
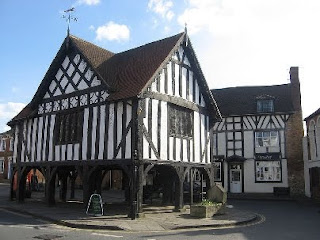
(267, 139)
(68, 128)
(265, 106)
(2, 144)
(180, 121)
(268, 171)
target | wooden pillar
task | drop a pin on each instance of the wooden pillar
(179, 194)
(140, 181)
(191, 185)
(63, 186)
(73, 177)
(21, 185)
(87, 184)
(50, 185)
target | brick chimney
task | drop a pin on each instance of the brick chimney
(295, 88)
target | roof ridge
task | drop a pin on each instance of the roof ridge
(257, 86)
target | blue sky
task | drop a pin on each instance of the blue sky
(252, 42)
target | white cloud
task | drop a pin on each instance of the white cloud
(256, 42)
(162, 8)
(112, 31)
(89, 2)
(10, 109)
(91, 28)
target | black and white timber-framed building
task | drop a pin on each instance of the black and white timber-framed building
(258, 145)
(146, 111)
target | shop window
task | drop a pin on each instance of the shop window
(268, 171)
(265, 106)
(267, 139)
(68, 128)
(2, 145)
(180, 121)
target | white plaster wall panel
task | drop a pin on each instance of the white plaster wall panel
(76, 59)
(203, 136)
(76, 151)
(76, 78)
(82, 85)
(222, 124)
(34, 135)
(202, 102)
(237, 126)
(186, 61)
(197, 149)
(246, 124)
(85, 133)
(128, 145)
(88, 75)
(208, 139)
(215, 126)
(94, 132)
(154, 129)
(169, 73)
(164, 131)
(63, 83)
(63, 149)
(57, 92)
(23, 145)
(280, 121)
(102, 129)
(58, 76)
(82, 66)
(184, 82)
(221, 143)
(190, 86)
(260, 149)
(248, 144)
(162, 81)
(274, 149)
(46, 95)
(230, 127)
(238, 144)
(196, 93)
(119, 126)
(65, 62)
(145, 122)
(237, 135)
(180, 51)
(191, 151)
(52, 123)
(177, 85)
(171, 148)
(39, 137)
(174, 56)
(57, 152)
(214, 148)
(238, 152)
(185, 150)
(265, 122)
(16, 134)
(154, 85)
(70, 70)
(275, 122)
(95, 82)
(282, 143)
(44, 157)
(111, 132)
(230, 153)
(69, 151)
(52, 86)
(69, 89)
(178, 149)
(230, 145)
(252, 122)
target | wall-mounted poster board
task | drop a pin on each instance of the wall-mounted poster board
(95, 205)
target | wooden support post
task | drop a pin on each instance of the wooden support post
(50, 185)
(179, 194)
(21, 185)
(73, 177)
(63, 187)
(191, 185)
(140, 179)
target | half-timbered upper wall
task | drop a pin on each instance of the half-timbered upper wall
(177, 79)
(70, 87)
(237, 135)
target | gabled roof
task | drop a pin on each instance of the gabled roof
(236, 101)
(125, 74)
(313, 115)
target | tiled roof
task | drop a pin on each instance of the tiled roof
(126, 73)
(313, 115)
(238, 101)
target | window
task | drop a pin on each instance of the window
(1, 165)
(2, 145)
(267, 139)
(217, 171)
(265, 106)
(180, 121)
(68, 128)
(11, 144)
(268, 171)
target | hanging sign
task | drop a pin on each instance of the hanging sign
(95, 205)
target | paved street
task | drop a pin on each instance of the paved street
(281, 220)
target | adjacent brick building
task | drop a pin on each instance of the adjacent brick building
(6, 147)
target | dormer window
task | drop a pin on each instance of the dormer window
(265, 105)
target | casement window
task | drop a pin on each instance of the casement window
(2, 145)
(180, 121)
(266, 139)
(11, 144)
(268, 171)
(217, 171)
(68, 128)
(265, 106)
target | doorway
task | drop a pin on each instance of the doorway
(235, 176)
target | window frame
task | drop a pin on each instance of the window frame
(274, 179)
(180, 121)
(70, 134)
(217, 166)
(265, 105)
(263, 138)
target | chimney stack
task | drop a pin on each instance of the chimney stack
(295, 88)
